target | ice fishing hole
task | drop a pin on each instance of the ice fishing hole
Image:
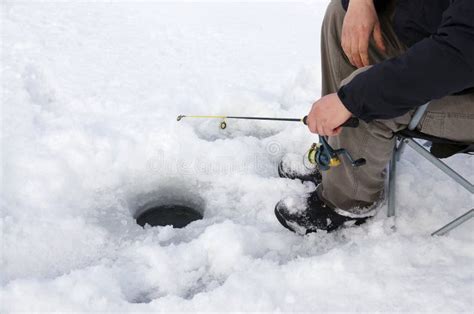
(176, 215)
(170, 206)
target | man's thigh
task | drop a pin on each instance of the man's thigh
(451, 117)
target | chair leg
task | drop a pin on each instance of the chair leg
(440, 165)
(400, 148)
(455, 223)
(455, 176)
(391, 183)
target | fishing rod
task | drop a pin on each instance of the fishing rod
(320, 154)
(351, 123)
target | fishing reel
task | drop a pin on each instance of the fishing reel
(324, 156)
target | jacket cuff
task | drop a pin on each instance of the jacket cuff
(353, 106)
(380, 5)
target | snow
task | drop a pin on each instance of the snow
(90, 95)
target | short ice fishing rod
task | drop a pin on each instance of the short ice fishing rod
(351, 123)
(321, 154)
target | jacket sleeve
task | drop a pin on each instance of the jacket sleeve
(440, 65)
(379, 4)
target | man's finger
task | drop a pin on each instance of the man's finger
(346, 47)
(328, 131)
(363, 49)
(355, 53)
(378, 38)
(345, 44)
(364, 56)
(312, 125)
(320, 129)
(331, 130)
(310, 128)
(337, 131)
(347, 51)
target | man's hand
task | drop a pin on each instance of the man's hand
(361, 21)
(326, 116)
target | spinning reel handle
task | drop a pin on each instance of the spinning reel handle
(350, 123)
(359, 162)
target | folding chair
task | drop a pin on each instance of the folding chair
(440, 148)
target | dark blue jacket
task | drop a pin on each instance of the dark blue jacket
(438, 62)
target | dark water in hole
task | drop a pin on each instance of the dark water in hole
(177, 216)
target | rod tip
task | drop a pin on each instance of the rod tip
(180, 117)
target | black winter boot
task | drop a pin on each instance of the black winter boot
(312, 215)
(292, 166)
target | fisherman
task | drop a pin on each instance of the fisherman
(381, 59)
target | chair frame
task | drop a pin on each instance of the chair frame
(400, 144)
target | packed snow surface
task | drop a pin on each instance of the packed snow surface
(90, 95)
